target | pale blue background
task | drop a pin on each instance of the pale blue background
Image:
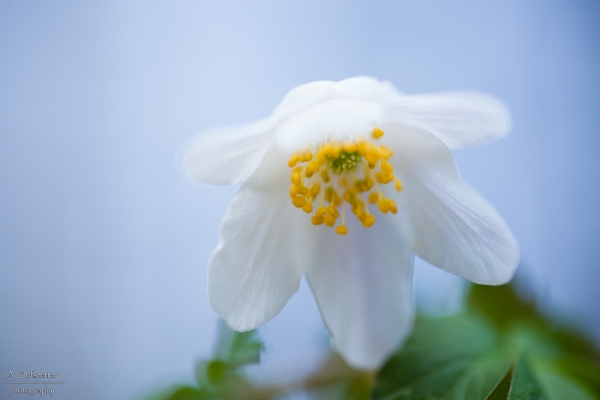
(103, 244)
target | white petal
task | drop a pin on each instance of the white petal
(228, 156)
(341, 117)
(357, 88)
(304, 96)
(459, 119)
(365, 87)
(260, 260)
(362, 283)
(454, 227)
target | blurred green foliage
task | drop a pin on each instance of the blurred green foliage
(500, 348)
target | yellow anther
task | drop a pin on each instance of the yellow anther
(360, 214)
(333, 211)
(303, 190)
(377, 133)
(384, 177)
(296, 178)
(308, 156)
(294, 190)
(385, 152)
(349, 196)
(371, 158)
(373, 198)
(293, 160)
(392, 206)
(359, 186)
(341, 230)
(329, 220)
(299, 201)
(308, 207)
(387, 167)
(337, 200)
(325, 176)
(369, 183)
(335, 151)
(368, 221)
(326, 149)
(314, 190)
(321, 159)
(398, 184)
(350, 147)
(317, 220)
(321, 211)
(311, 168)
(383, 206)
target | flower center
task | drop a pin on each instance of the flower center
(340, 173)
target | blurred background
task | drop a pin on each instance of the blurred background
(104, 244)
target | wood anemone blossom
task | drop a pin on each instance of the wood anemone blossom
(344, 183)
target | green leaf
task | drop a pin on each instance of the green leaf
(358, 389)
(189, 393)
(446, 358)
(219, 377)
(533, 338)
(238, 348)
(582, 368)
(576, 343)
(500, 304)
(502, 389)
(557, 386)
(504, 307)
(502, 349)
(480, 378)
(523, 385)
(212, 373)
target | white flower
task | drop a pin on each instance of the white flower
(343, 154)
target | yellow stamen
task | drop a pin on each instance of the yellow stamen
(339, 172)
(377, 133)
(373, 198)
(314, 190)
(296, 178)
(307, 208)
(392, 206)
(321, 212)
(333, 211)
(386, 166)
(369, 221)
(360, 214)
(317, 220)
(293, 160)
(329, 220)
(294, 190)
(398, 184)
(385, 152)
(341, 230)
(383, 206)
(299, 201)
